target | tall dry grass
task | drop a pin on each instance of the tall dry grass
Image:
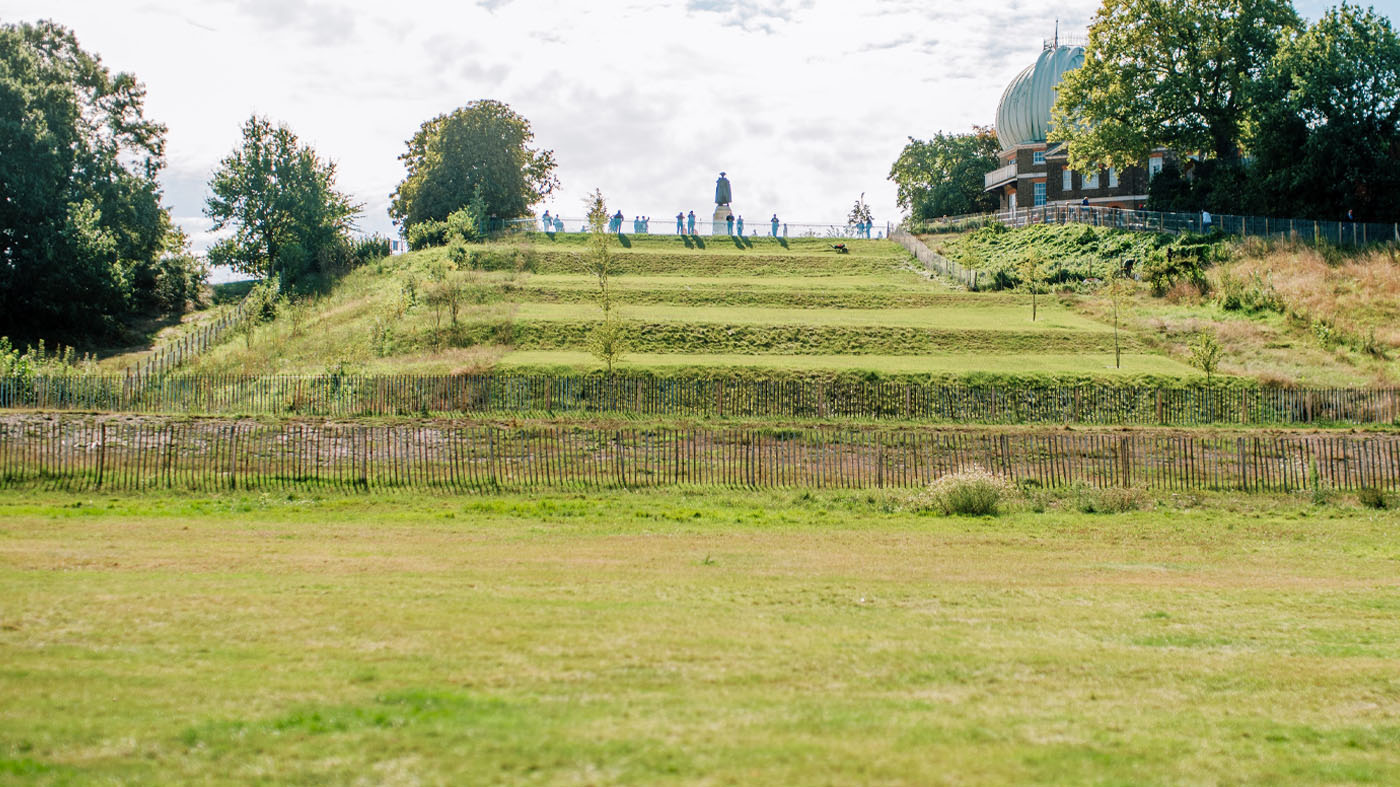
(1358, 293)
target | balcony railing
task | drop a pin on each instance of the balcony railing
(999, 176)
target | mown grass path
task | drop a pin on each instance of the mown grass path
(693, 638)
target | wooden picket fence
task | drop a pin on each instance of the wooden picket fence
(172, 354)
(75, 452)
(349, 396)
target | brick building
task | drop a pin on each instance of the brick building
(1034, 172)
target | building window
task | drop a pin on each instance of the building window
(1112, 178)
(1069, 181)
(1039, 194)
(1091, 180)
(1154, 167)
(1038, 157)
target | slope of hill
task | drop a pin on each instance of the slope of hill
(761, 303)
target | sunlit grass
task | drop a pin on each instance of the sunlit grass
(693, 638)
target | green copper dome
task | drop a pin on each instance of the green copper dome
(1023, 116)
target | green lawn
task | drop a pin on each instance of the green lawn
(1048, 363)
(903, 281)
(1051, 317)
(693, 638)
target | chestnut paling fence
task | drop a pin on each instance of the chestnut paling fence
(702, 397)
(137, 453)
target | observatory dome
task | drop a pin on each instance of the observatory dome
(1023, 116)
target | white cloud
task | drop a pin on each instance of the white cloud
(805, 103)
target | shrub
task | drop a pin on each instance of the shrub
(971, 492)
(459, 226)
(1111, 500)
(1372, 498)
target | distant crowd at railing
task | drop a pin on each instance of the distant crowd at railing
(693, 224)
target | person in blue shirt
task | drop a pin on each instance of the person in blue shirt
(680, 223)
(775, 225)
(690, 223)
(740, 226)
(729, 223)
(558, 224)
(548, 222)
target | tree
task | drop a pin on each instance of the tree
(482, 145)
(1205, 353)
(1119, 289)
(80, 211)
(860, 212)
(943, 176)
(280, 199)
(1179, 74)
(609, 339)
(1329, 136)
(1033, 274)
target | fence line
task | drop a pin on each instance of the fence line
(169, 356)
(84, 453)
(702, 397)
(705, 226)
(933, 261)
(1340, 233)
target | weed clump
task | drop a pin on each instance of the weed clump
(1111, 500)
(1371, 497)
(970, 492)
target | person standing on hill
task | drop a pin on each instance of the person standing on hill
(775, 225)
(548, 222)
(617, 222)
(739, 225)
(729, 223)
(690, 223)
(558, 224)
(680, 223)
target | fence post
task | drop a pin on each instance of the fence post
(101, 452)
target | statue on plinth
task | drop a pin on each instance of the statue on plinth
(723, 195)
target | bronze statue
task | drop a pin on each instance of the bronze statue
(722, 194)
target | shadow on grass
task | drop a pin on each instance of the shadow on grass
(624, 240)
(741, 242)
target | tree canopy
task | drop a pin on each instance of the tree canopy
(1178, 74)
(484, 144)
(84, 240)
(943, 176)
(1328, 137)
(280, 199)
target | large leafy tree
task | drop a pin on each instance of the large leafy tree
(484, 144)
(1328, 139)
(1179, 74)
(280, 199)
(943, 176)
(80, 211)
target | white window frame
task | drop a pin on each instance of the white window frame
(1069, 181)
(1154, 166)
(1038, 157)
(1038, 190)
(1112, 177)
(1090, 180)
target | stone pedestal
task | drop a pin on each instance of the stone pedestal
(719, 226)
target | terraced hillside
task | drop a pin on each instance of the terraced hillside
(789, 304)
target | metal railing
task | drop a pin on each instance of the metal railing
(642, 224)
(1337, 233)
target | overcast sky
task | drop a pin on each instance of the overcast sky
(805, 103)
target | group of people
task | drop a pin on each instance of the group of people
(552, 223)
(863, 229)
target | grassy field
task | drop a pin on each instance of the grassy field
(694, 638)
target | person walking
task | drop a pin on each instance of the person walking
(690, 223)
(617, 222)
